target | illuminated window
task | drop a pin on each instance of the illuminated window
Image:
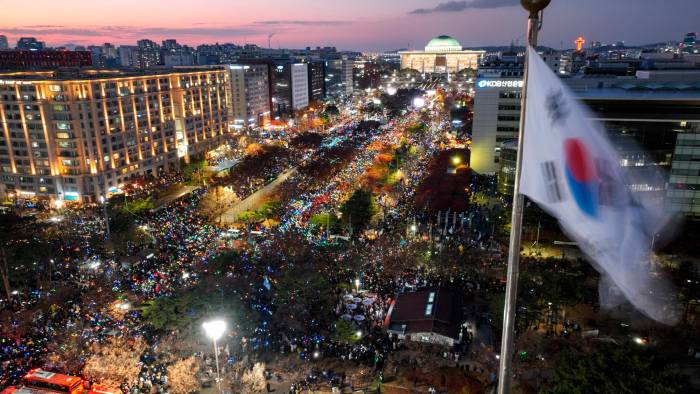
(429, 305)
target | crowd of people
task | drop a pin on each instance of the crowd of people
(183, 244)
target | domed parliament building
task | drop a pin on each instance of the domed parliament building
(442, 55)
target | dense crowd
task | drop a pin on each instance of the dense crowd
(183, 244)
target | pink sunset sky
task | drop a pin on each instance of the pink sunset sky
(355, 25)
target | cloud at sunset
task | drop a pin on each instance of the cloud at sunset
(459, 6)
(358, 25)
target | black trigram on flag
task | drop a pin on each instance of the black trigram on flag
(551, 181)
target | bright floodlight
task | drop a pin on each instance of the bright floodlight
(418, 102)
(214, 328)
(456, 160)
(391, 90)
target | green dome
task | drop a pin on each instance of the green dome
(443, 44)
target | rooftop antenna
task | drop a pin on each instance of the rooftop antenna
(269, 37)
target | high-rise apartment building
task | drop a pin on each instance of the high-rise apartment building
(148, 54)
(4, 45)
(80, 136)
(250, 94)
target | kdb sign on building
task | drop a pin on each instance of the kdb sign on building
(499, 83)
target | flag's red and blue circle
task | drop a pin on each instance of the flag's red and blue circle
(581, 176)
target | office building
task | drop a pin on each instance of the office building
(300, 85)
(508, 157)
(250, 94)
(317, 80)
(653, 120)
(30, 60)
(281, 88)
(496, 109)
(81, 135)
(289, 86)
(368, 74)
(339, 77)
(4, 45)
(442, 55)
(30, 44)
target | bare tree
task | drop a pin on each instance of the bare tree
(182, 376)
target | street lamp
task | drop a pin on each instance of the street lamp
(58, 204)
(456, 160)
(214, 329)
(357, 284)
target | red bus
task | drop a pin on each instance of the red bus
(38, 381)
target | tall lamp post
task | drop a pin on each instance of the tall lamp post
(535, 8)
(214, 329)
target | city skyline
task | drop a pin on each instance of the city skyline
(392, 24)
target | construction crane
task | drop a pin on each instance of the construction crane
(269, 37)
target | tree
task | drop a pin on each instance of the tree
(331, 110)
(183, 309)
(303, 295)
(253, 381)
(344, 332)
(615, 369)
(359, 209)
(182, 377)
(22, 246)
(496, 310)
(325, 220)
(194, 171)
(115, 362)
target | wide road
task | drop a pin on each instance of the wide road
(256, 199)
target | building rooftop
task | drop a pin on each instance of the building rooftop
(84, 73)
(434, 310)
(443, 44)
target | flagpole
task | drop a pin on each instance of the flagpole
(535, 7)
